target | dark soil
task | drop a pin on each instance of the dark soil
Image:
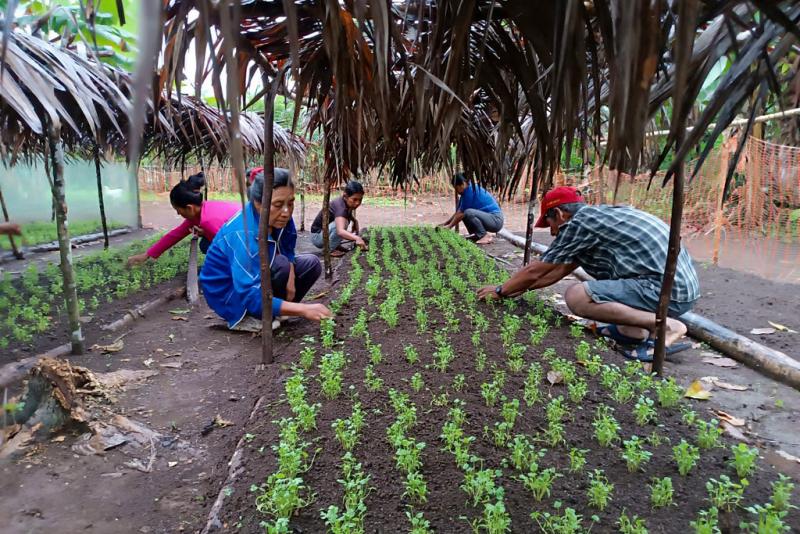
(107, 312)
(446, 507)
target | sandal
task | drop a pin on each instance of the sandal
(611, 331)
(643, 352)
(337, 253)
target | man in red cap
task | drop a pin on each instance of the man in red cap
(625, 249)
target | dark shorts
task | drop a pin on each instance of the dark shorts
(639, 294)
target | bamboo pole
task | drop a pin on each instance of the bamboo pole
(17, 252)
(100, 196)
(264, 228)
(302, 201)
(59, 199)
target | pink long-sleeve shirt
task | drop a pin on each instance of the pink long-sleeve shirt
(213, 215)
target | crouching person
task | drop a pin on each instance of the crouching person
(231, 276)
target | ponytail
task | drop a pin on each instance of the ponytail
(189, 191)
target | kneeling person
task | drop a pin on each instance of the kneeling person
(477, 208)
(342, 213)
(625, 249)
(231, 276)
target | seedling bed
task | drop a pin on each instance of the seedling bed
(464, 438)
(32, 304)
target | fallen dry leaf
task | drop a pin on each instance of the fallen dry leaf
(734, 432)
(173, 464)
(117, 346)
(733, 420)
(220, 422)
(554, 377)
(786, 456)
(697, 391)
(180, 311)
(179, 318)
(148, 362)
(782, 328)
(762, 331)
(59, 439)
(721, 362)
(172, 365)
(728, 385)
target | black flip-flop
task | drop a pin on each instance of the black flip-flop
(611, 331)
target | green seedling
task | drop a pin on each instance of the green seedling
(416, 382)
(458, 382)
(570, 522)
(577, 459)
(669, 393)
(782, 493)
(744, 459)
(416, 488)
(644, 412)
(577, 390)
(661, 492)
(631, 525)
(708, 434)
(539, 482)
(600, 490)
(770, 520)
(606, 428)
(419, 525)
(686, 456)
(707, 522)
(412, 356)
(724, 493)
(634, 454)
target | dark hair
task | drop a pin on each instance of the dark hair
(189, 191)
(570, 207)
(458, 179)
(282, 178)
(353, 188)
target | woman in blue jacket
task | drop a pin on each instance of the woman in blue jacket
(477, 208)
(231, 276)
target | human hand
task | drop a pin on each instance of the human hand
(362, 244)
(315, 312)
(198, 232)
(487, 293)
(137, 259)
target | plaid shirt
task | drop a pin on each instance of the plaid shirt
(618, 242)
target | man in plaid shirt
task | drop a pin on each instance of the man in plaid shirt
(625, 249)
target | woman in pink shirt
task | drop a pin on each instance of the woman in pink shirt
(204, 218)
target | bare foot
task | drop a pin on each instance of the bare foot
(485, 240)
(675, 331)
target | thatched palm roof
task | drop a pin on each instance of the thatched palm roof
(401, 82)
(43, 84)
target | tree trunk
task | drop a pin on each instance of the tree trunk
(263, 226)
(326, 219)
(17, 253)
(59, 199)
(100, 196)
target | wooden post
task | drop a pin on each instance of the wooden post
(59, 199)
(724, 157)
(535, 179)
(263, 226)
(302, 201)
(17, 253)
(100, 196)
(687, 12)
(326, 219)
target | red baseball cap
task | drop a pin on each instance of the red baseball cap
(556, 197)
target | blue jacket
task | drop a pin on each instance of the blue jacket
(478, 198)
(231, 274)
